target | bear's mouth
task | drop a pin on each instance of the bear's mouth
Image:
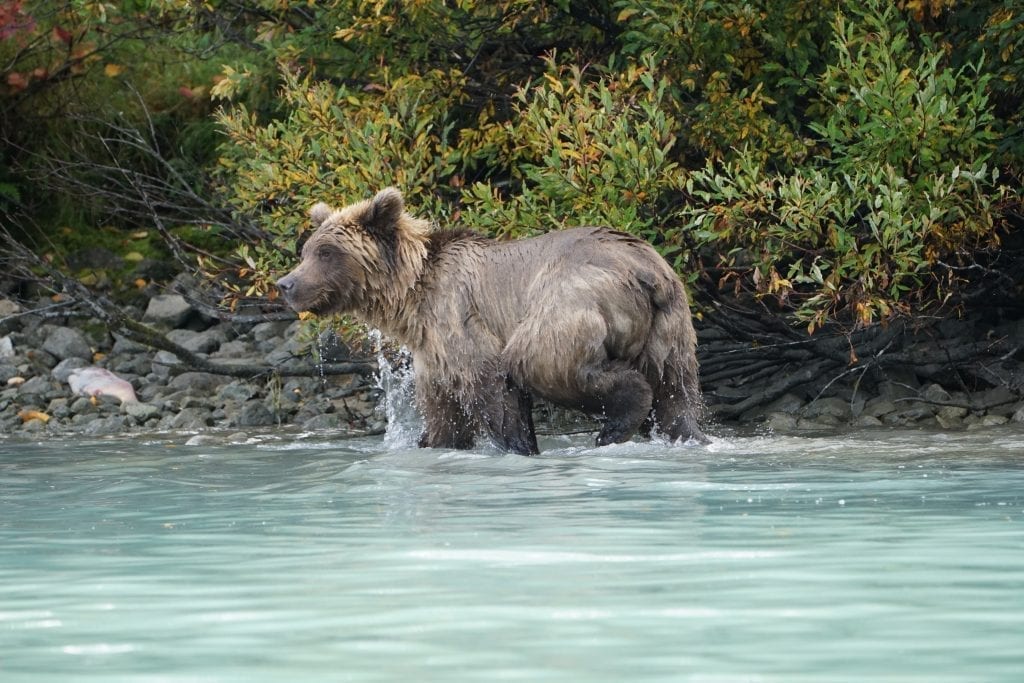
(324, 302)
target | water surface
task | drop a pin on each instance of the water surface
(895, 556)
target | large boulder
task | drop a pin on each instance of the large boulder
(67, 342)
(168, 310)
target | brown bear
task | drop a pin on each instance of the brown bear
(588, 318)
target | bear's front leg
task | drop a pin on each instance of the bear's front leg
(506, 414)
(446, 422)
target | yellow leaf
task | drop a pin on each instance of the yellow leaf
(112, 70)
(27, 415)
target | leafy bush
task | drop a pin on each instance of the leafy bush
(582, 151)
(901, 183)
(336, 144)
(835, 157)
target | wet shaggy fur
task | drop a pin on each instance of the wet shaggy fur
(589, 318)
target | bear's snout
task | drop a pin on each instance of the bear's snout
(286, 284)
(288, 287)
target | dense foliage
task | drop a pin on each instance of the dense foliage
(840, 160)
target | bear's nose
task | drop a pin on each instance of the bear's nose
(286, 284)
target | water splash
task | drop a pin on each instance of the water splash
(320, 362)
(396, 380)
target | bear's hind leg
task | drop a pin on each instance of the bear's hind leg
(676, 410)
(622, 395)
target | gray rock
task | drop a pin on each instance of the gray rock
(236, 391)
(197, 381)
(899, 383)
(822, 422)
(913, 410)
(33, 426)
(8, 323)
(137, 364)
(63, 369)
(935, 393)
(123, 346)
(867, 421)
(879, 406)
(255, 414)
(82, 405)
(787, 403)
(59, 408)
(783, 423)
(1018, 414)
(162, 363)
(196, 402)
(67, 342)
(322, 421)
(140, 412)
(198, 342)
(42, 359)
(36, 385)
(233, 349)
(168, 310)
(6, 348)
(833, 407)
(302, 386)
(994, 420)
(115, 424)
(268, 330)
(7, 371)
(950, 413)
(897, 420)
(988, 421)
(331, 349)
(949, 420)
(1001, 401)
(289, 349)
(187, 419)
(202, 440)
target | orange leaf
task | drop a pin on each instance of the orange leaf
(27, 415)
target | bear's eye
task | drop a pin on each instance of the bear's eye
(323, 253)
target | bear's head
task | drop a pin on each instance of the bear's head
(351, 254)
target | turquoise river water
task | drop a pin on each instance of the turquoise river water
(876, 556)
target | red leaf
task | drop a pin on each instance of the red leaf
(62, 35)
(17, 81)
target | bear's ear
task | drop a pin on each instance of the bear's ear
(384, 211)
(319, 213)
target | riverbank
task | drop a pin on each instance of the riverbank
(43, 349)
(42, 353)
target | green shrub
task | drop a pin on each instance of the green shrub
(337, 145)
(584, 151)
(902, 182)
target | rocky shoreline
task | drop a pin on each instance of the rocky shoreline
(42, 349)
(40, 353)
